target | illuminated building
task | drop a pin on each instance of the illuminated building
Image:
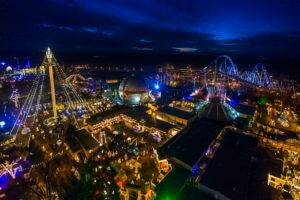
(210, 161)
(184, 150)
(188, 106)
(81, 143)
(137, 119)
(174, 76)
(275, 182)
(74, 79)
(133, 92)
(174, 116)
(136, 192)
(33, 70)
(99, 120)
(85, 85)
(144, 122)
(112, 81)
(245, 115)
(215, 106)
(217, 110)
(244, 111)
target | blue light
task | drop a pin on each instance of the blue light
(233, 102)
(195, 169)
(188, 97)
(4, 179)
(156, 86)
(18, 173)
(137, 99)
(2, 124)
(28, 63)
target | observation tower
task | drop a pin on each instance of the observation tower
(50, 62)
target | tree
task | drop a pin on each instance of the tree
(93, 184)
(43, 183)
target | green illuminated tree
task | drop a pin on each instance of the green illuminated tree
(262, 101)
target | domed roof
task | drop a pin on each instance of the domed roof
(218, 110)
(133, 91)
(133, 85)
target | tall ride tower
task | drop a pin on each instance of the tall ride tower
(50, 60)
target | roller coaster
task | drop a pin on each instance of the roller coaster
(257, 77)
(222, 65)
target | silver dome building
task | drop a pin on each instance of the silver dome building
(133, 91)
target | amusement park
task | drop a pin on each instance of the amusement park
(70, 136)
(149, 100)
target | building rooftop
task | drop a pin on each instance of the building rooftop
(170, 186)
(191, 143)
(238, 170)
(176, 112)
(79, 139)
(216, 110)
(133, 85)
(229, 171)
(203, 193)
(73, 144)
(228, 174)
(94, 119)
(139, 113)
(86, 140)
(266, 162)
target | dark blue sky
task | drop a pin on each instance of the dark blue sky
(254, 28)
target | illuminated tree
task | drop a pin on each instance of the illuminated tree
(97, 182)
(43, 184)
(262, 101)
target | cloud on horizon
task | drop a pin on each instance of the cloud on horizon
(227, 27)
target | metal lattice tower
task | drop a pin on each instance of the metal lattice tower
(50, 62)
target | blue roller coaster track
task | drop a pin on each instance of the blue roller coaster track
(258, 76)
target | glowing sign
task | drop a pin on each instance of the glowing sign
(112, 81)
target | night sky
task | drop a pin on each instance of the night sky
(254, 28)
